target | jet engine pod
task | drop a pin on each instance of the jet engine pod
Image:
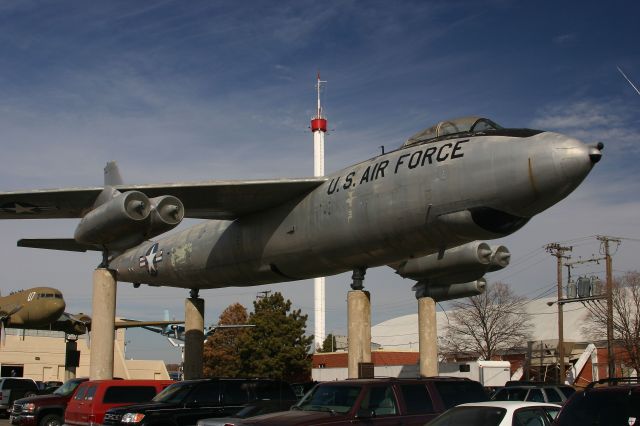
(464, 263)
(441, 293)
(166, 213)
(119, 223)
(499, 259)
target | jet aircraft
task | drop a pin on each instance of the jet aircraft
(445, 188)
(175, 329)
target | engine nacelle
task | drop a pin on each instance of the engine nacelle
(121, 222)
(499, 259)
(167, 212)
(464, 263)
(441, 293)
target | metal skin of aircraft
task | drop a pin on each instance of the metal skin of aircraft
(447, 187)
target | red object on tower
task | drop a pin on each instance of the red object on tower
(319, 124)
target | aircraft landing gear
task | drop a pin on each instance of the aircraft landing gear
(358, 278)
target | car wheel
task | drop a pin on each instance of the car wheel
(51, 420)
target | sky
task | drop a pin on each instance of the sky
(199, 90)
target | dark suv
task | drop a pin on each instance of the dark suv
(12, 388)
(388, 401)
(186, 402)
(44, 410)
(605, 402)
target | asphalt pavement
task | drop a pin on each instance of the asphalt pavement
(4, 422)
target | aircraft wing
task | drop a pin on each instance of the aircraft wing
(204, 200)
(134, 323)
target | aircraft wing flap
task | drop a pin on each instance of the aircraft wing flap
(47, 203)
(229, 199)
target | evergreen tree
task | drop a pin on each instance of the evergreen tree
(277, 346)
(221, 353)
(329, 344)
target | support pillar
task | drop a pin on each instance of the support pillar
(103, 324)
(71, 358)
(193, 336)
(359, 329)
(428, 337)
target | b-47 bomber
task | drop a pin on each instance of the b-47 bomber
(422, 209)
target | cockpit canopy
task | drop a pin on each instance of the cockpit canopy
(459, 127)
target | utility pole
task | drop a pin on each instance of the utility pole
(558, 251)
(607, 255)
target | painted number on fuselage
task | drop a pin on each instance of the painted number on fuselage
(410, 161)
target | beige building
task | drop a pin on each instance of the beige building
(40, 355)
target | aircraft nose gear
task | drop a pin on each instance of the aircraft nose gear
(358, 278)
(193, 293)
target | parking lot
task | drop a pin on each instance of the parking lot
(4, 422)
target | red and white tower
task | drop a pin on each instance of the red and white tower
(318, 128)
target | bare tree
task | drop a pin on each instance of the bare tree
(626, 316)
(482, 325)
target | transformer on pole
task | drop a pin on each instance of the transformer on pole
(319, 128)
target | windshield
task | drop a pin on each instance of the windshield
(67, 388)
(336, 399)
(175, 393)
(471, 416)
(449, 128)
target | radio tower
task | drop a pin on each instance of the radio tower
(318, 128)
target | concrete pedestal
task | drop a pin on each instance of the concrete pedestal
(102, 324)
(428, 337)
(359, 329)
(194, 338)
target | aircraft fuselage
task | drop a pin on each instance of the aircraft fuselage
(406, 203)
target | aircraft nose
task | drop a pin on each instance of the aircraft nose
(557, 164)
(575, 159)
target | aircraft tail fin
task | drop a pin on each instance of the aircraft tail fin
(112, 175)
(65, 244)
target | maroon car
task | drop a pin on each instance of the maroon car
(44, 410)
(388, 401)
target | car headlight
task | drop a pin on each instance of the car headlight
(132, 418)
(29, 407)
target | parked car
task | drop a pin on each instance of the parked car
(565, 389)
(605, 402)
(44, 410)
(93, 398)
(544, 393)
(376, 401)
(186, 402)
(499, 413)
(253, 409)
(12, 388)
